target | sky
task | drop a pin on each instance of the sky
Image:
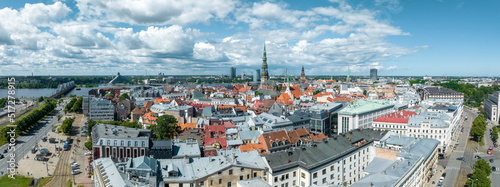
(192, 37)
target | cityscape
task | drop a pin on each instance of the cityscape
(230, 93)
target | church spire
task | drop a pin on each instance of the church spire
(348, 71)
(264, 74)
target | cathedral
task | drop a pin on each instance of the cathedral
(267, 87)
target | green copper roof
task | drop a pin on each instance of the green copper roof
(347, 71)
(363, 106)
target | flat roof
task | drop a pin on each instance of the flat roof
(361, 106)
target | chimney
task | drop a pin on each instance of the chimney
(233, 157)
(186, 159)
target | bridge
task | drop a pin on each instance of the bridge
(63, 89)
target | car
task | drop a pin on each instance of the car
(440, 184)
(5, 151)
(74, 164)
(75, 167)
(491, 160)
(87, 154)
(477, 156)
(443, 175)
(441, 179)
(493, 168)
(1, 156)
(455, 147)
(460, 158)
(76, 171)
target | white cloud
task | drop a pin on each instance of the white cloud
(38, 14)
(156, 12)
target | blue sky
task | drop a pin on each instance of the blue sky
(189, 37)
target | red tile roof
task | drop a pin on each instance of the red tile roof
(401, 116)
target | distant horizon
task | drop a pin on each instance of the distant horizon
(252, 75)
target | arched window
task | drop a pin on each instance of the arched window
(287, 142)
(273, 144)
(280, 143)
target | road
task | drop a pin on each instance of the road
(455, 168)
(26, 142)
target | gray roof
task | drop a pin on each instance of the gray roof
(253, 182)
(162, 144)
(384, 172)
(114, 132)
(143, 163)
(202, 167)
(322, 152)
(208, 111)
(437, 120)
(250, 135)
(189, 148)
(108, 168)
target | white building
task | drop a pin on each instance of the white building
(338, 160)
(491, 106)
(361, 113)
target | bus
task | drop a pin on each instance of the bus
(490, 150)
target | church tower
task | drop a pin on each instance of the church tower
(264, 75)
(302, 76)
(348, 76)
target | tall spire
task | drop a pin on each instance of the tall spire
(265, 73)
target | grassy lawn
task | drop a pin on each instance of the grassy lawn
(44, 181)
(19, 181)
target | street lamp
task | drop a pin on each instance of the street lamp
(473, 182)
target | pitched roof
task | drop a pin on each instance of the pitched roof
(273, 137)
(148, 104)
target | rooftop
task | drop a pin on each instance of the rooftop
(363, 106)
(401, 116)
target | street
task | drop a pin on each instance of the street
(26, 142)
(455, 168)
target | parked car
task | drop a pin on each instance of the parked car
(491, 160)
(441, 179)
(5, 151)
(493, 168)
(1, 156)
(87, 154)
(76, 171)
(454, 147)
(460, 158)
(477, 156)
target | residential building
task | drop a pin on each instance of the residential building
(439, 92)
(106, 173)
(491, 106)
(361, 113)
(401, 161)
(396, 122)
(119, 142)
(216, 171)
(98, 109)
(337, 160)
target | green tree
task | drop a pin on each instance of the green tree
(316, 92)
(480, 178)
(59, 116)
(481, 164)
(69, 106)
(478, 127)
(124, 96)
(166, 127)
(77, 106)
(88, 144)
(40, 99)
(67, 125)
(90, 124)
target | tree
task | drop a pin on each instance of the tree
(77, 105)
(478, 127)
(88, 144)
(59, 116)
(90, 124)
(480, 178)
(40, 99)
(317, 92)
(481, 164)
(124, 96)
(67, 125)
(166, 127)
(69, 106)
(365, 92)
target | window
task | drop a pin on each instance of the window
(350, 159)
(121, 143)
(294, 183)
(248, 176)
(354, 156)
(136, 144)
(255, 174)
(219, 173)
(108, 142)
(324, 180)
(331, 176)
(230, 172)
(275, 179)
(129, 143)
(324, 171)
(286, 176)
(303, 175)
(294, 174)
(228, 184)
(115, 143)
(332, 168)
(344, 161)
(315, 175)
(143, 144)
(220, 181)
(242, 169)
(211, 182)
(241, 177)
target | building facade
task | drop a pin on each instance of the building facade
(256, 75)
(361, 113)
(232, 72)
(119, 142)
(98, 109)
(438, 92)
(491, 106)
(338, 160)
(373, 74)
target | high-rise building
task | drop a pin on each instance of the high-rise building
(348, 79)
(243, 75)
(373, 74)
(264, 75)
(232, 72)
(256, 75)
